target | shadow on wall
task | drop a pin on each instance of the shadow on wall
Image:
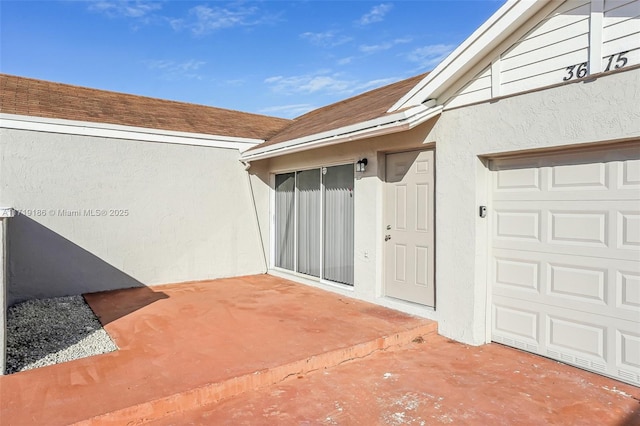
(43, 264)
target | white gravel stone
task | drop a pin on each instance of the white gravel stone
(50, 331)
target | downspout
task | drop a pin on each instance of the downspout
(247, 166)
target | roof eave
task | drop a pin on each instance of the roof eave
(488, 36)
(393, 123)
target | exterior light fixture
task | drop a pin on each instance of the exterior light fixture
(361, 165)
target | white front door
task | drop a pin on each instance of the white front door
(409, 222)
(565, 264)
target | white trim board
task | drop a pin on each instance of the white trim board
(83, 128)
(392, 123)
(509, 17)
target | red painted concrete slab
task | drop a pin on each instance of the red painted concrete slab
(185, 345)
(436, 382)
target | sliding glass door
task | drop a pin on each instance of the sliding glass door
(314, 222)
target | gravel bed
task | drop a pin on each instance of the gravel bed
(50, 331)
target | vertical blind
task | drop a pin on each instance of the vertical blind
(318, 204)
(285, 210)
(308, 185)
(338, 224)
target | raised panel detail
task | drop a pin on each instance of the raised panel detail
(577, 282)
(628, 290)
(629, 350)
(422, 207)
(517, 273)
(518, 179)
(580, 337)
(579, 176)
(582, 228)
(422, 266)
(629, 225)
(518, 224)
(515, 321)
(422, 166)
(631, 173)
(401, 207)
(400, 262)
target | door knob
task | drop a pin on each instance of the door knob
(387, 237)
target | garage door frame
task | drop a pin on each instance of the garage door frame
(490, 172)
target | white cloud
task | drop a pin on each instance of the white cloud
(203, 20)
(125, 8)
(428, 57)
(324, 83)
(372, 48)
(309, 83)
(376, 14)
(288, 111)
(172, 70)
(326, 39)
(373, 84)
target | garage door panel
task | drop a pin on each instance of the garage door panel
(579, 177)
(520, 274)
(628, 355)
(581, 337)
(607, 287)
(605, 345)
(578, 227)
(517, 225)
(606, 229)
(630, 175)
(628, 292)
(565, 261)
(514, 325)
(579, 283)
(597, 175)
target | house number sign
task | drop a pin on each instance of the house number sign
(615, 61)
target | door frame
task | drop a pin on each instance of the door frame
(383, 177)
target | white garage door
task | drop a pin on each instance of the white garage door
(565, 262)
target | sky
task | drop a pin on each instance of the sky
(278, 58)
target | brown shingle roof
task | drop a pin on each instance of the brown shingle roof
(363, 107)
(26, 96)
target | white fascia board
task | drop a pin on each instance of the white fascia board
(104, 130)
(398, 122)
(487, 37)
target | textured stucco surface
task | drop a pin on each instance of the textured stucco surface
(189, 215)
(601, 110)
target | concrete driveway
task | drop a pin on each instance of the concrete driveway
(264, 350)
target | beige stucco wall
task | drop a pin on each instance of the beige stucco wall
(189, 214)
(604, 109)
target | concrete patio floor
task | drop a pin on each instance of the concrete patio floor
(264, 350)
